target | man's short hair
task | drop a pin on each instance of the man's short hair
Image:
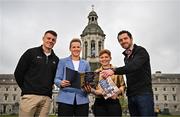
(51, 32)
(124, 31)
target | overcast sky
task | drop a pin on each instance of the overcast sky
(154, 24)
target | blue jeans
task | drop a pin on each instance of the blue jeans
(141, 105)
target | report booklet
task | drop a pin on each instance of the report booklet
(109, 87)
(78, 79)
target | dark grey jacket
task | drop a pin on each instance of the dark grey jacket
(138, 71)
(35, 72)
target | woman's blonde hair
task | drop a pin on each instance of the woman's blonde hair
(74, 40)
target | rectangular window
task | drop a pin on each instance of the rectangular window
(174, 97)
(14, 97)
(156, 97)
(165, 105)
(164, 89)
(6, 97)
(165, 97)
(155, 89)
(175, 107)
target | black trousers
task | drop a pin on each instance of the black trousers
(72, 110)
(107, 107)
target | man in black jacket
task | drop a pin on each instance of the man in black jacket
(35, 74)
(138, 73)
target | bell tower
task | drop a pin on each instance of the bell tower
(92, 40)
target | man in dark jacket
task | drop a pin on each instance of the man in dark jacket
(138, 73)
(35, 73)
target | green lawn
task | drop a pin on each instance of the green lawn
(123, 116)
(169, 116)
(17, 116)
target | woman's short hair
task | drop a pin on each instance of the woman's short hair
(104, 51)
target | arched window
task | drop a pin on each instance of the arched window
(5, 97)
(86, 49)
(93, 50)
(99, 46)
(92, 19)
(14, 97)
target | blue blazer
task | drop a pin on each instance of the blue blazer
(68, 94)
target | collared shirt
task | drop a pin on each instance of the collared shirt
(128, 51)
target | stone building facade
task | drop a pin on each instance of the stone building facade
(166, 88)
(9, 94)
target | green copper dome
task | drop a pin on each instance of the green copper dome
(92, 13)
(92, 27)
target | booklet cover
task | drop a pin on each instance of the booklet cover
(109, 87)
(78, 79)
(90, 78)
(74, 77)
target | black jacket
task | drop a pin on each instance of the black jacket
(35, 72)
(138, 71)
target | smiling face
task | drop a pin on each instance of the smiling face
(75, 49)
(125, 41)
(104, 59)
(49, 41)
